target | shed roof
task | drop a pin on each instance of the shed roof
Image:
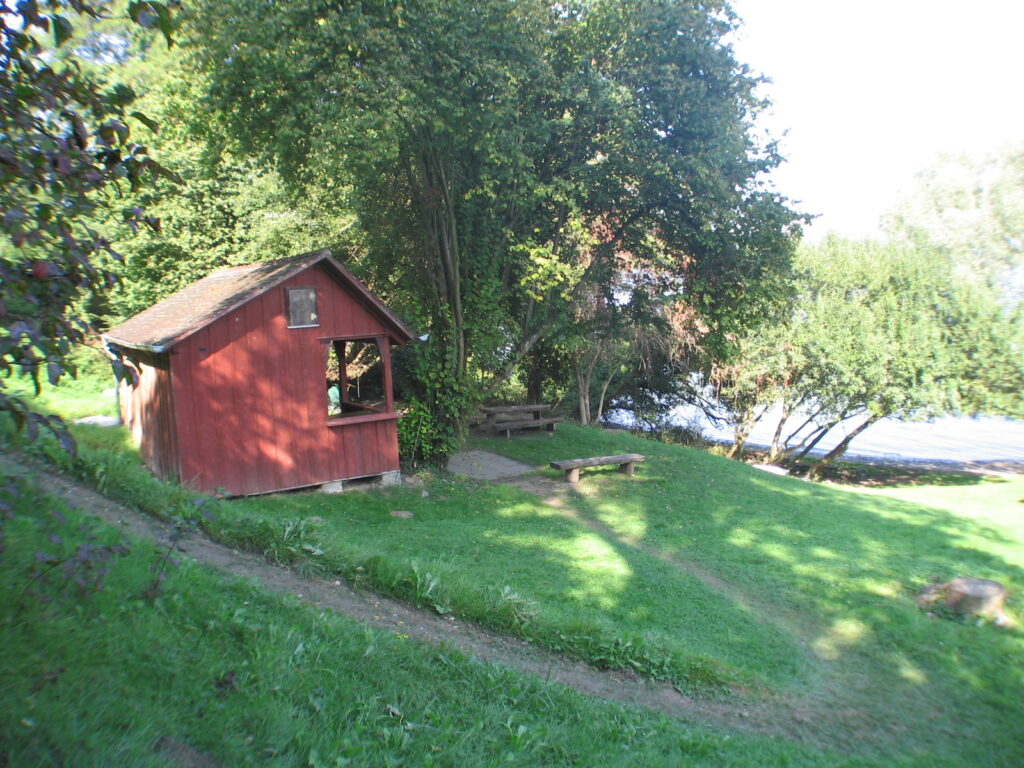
(197, 305)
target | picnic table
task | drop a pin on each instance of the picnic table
(505, 418)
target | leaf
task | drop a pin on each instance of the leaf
(121, 95)
(142, 14)
(153, 16)
(153, 125)
(62, 30)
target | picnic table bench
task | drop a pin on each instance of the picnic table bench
(522, 417)
(627, 464)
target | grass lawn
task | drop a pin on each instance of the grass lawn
(218, 670)
(731, 582)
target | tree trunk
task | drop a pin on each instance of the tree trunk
(840, 449)
(534, 381)
(817, 438)
(775, 451)
(583, 393)
(742, 432)
(806, 447)
(604, 391)
(786, 451)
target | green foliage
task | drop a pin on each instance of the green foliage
(419, 438)
(506, 160)
(877, 331)
(68, 154)
(230, 206)
(972, 210)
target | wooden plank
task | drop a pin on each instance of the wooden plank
(499, 409)
(349, 453)
(389, 430)
(219, 424)
(384, 347)
(366, 443)
(183, 361)
(518, 423)
(261, 413)
(597, 461)
(245, 439)
(627, 464)
(314, 395)
(168, 429)
(508, 426)
(283, 369)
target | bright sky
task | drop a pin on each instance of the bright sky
(870, 92)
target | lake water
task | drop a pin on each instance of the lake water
(945, 439)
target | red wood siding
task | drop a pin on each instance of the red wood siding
(147, 408)
(252, 401)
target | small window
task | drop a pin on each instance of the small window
(302, 308)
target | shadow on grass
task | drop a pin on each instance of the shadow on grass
(850, 564)
(847, 564)
(876, 476)
(501, 558)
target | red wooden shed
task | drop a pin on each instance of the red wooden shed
(262, 378)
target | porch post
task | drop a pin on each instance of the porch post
(384, 345)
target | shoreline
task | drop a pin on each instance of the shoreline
(973, 466)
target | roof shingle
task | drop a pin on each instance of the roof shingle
(183, 313)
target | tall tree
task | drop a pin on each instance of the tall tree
(877, 331)
(972, 210)
(503, 155)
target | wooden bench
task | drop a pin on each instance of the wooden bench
(627, 464)
(508, 426)
(519, 420)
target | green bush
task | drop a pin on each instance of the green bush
(420, 440)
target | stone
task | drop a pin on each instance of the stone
(99, 421)
(969, 596)
(402, 513)
(362, 483)
(181, 755)
(771, 469)
(975, 597)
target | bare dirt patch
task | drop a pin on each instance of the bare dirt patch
(483, 465)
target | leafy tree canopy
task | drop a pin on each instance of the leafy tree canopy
(878, 330)
(509, 161)
(972, 210)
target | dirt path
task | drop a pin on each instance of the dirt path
(772, 715)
